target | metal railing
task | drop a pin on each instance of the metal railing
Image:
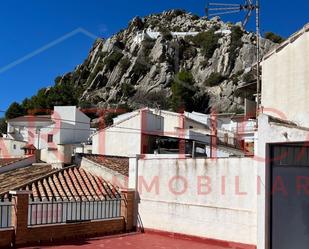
(232, 143)
(5, 214)
(72, 211)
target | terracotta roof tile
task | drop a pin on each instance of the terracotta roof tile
(94, 184)
(41, 189)
(70, 185)
(8, 161)
(48, 191)
(58, 185)
(29, 147)
(79, 191)
(118, 164)
(65, 186)
(80, 181)
(12, 179)
(67, 183)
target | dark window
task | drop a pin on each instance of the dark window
(50, 138)
(14, 146)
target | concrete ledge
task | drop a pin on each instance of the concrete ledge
(20, 192)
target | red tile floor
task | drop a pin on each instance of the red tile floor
(136, 241)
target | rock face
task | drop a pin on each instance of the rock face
(138, 65)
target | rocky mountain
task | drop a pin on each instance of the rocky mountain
(147, 63)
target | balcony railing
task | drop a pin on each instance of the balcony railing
(5, 214)
(231, 142)
(72, 211)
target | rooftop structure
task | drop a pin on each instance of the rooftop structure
(66, 125)
(150, 34)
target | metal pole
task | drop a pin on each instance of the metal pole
(193, 149)
(39, 138)
(258, 86)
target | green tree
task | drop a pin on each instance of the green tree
(112, 60)
(166, 34)
(183, 90)
(3, 126)
(274, 37)
(214, 79)
(236, 43)
(14, 110)
(125, 64)
(207, 41)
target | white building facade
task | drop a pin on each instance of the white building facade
(66, 125)
(149, 131)
(283, 129)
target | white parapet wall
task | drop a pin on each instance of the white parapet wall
(208, 198)
(57, 156)
(142, 35)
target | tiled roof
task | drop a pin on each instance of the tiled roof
(29, 147)
(11, 180)
(38, 118)
(66, 184)
(118, 164)
(7, 161)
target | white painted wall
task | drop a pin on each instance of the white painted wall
(27, 131)
(117, 141)
(285, 79)
(226, 125)
(58, 156)
(142, 35)
(11, 148)
(68, 125)
(75, 131)
(123, 138)
(228, 217)
(270, 133)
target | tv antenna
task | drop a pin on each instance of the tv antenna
(218, 9)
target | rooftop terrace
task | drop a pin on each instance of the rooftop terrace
(138, 241)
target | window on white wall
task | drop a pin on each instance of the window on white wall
(158, 123)
(50, 138)
(14, 146)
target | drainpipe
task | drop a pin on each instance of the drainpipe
(136, 174)
(39, 134)
(136, 195)
(193, 149)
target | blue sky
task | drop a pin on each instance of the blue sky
(29, 25)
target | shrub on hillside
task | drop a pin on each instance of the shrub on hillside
(128, 90)
(214, 79)
(125, 64)
(236, 43)
(112, 60)
(166, 34)
(141, 67)
(147, 46)
(207, 41)
(249, 77)
(274, 37)
(183, 90)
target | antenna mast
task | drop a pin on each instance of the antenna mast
(217, 9)
(258, 85)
